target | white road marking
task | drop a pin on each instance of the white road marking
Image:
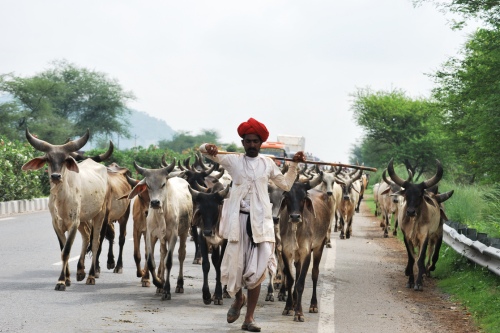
(326, 323)
(6, 218)
(70, 260)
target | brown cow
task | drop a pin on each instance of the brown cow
(420, 222)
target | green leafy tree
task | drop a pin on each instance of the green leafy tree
(63, 101)
(398, 127)
(183, 141)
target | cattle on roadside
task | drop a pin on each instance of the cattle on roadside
(365, 179)
(304, 220)
(77, 201)
(207, 205)
(421, 222)
(346, 207)
(328, 186)
(389, 203)
(376, 199)
(169, 216)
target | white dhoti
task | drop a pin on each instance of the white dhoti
(244, 264)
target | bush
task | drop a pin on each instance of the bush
(16, 184)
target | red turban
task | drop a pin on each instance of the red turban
(252, 126)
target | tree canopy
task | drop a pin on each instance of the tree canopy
(63, 102)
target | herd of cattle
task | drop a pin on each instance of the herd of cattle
(181, 199)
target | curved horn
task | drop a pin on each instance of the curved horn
(317, 180)
(200, 161)
(163, 161)
(131, 181)
(78, 143)
(214, 166)
(37, 143)
(200, 188)
(139, 169)
(170, 167)
(436, 178)
(194, 193)
(223, 193)
(395, 178)
(104, 156)
(179, 165)
(384, 177)
(221, 173)
(358, 175)
(442, 197)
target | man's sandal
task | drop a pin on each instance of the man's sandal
(234, 313)
(251, 327)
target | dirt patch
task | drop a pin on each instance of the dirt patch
(442, 314)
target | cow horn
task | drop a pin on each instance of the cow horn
(436, 178)
(442, 197)
(170, 167)
(395, 178)
(384, 177)
(200, 188)
(104, 156)
(131, 181)
(221, 173)
(317, 180)
(200, 161)
(163, 161)
(194, 193)
(78, 143)
(37, 143)
(139, 169)
(223, 193)
(180, 166)
(358, 175)
(214, 166)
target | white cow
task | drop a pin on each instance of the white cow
(78, 196)
(169, 216)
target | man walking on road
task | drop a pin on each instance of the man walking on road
(246, 220)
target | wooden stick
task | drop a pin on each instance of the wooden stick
(312, 162)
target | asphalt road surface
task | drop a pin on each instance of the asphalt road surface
(361, 289)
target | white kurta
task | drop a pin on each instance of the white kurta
(243, 264)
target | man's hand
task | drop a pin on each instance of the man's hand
(211, 149)
(299, 157)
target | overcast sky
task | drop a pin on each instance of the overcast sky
(292, 65)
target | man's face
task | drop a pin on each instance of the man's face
(251, 143)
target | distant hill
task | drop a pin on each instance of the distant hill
(145, 130)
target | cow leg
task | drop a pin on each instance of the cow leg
(317, 254)
(225, 294)
(435, 256)
(216, 261)
(108, 229)
(289, 283)
(270, 288)
(137, 252)
(386, 226)
(341, 227)
(64, 279)
(299, 287)
(205, 265)
(151, 259)
(336, 222)
(197, 241)
(84, 229)
(179, 288)
(348, 232)
(396, 223)
(421, 266)
(97, 223)
(410, 263)
(168, 265)
(121, 241)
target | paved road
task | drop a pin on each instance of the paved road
(357, 293)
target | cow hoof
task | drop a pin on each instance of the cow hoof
(90, 281)
(146, 283)
(111, 265)
(225, 294)
(197, 261)
(207, 301)
(418, 287)
(313, 309)
(166, 297)
(67, 282)
(347, 236)
(281, 298)
(394, 233)
(60, 287)
(118, 270)
(386, 235)
(80, 276)
(329, 245)
(382, 224)
(287, 312)
(409, 285)
(335, 229)
(179, 290)
(217, 301)
(97, 274)
(269, 298)
(298, 318)
(341, 236)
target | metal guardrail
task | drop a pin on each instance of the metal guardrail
(475, 246)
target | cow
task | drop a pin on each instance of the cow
(77, 201)
(346, 206)
(169, 216)
(207, 209)
(118, 209)
(420, 219)
(389, 203)
(365, 179)
(328, 186)
(304, 220)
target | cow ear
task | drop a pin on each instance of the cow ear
(430, 200)
(443, 214)
(34, 164)
(138, 189)
(282, 205)
(309, 205)
(386, 191)
(71, 164)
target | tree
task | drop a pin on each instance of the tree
(64, 101)
(398, 127)
(183, 140)
(469, 90)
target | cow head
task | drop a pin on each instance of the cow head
(346, 184)
(58, 157)
(207, 204)
(155, 181)
(297, 199)
(415, 194)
